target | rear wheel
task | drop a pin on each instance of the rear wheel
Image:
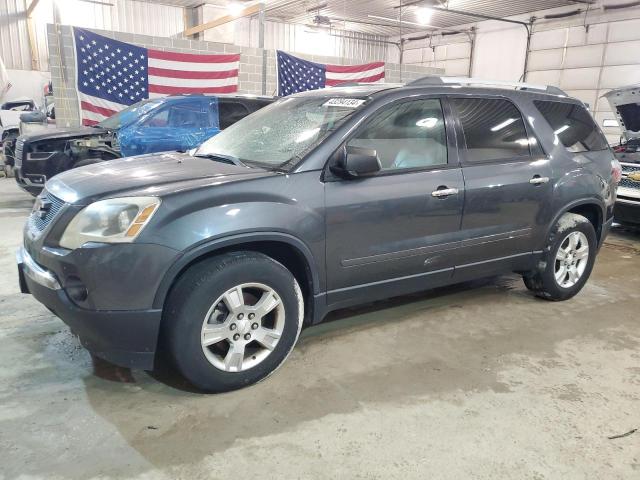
(232, 320)
(567, 260)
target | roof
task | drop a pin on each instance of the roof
(438, 84)
(247, 96)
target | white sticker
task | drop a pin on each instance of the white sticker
(343, 102)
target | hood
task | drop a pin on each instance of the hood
(153, 174)
(62, 133)
(625, 102)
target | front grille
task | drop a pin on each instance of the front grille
(39, 221)
(627, 182)
(18, 153)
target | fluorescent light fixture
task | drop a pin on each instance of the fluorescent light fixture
(563, 128)
(506, 123)
(609, 122)
(423, 14)
(235, 8)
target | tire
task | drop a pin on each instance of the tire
(556, 279)
(204, 306)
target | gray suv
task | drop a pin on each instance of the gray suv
(217, 258)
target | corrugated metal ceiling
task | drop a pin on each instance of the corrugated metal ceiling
(360, 12)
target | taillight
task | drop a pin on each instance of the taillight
(616, 171)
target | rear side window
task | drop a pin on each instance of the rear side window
(493, 129)
(573, 125)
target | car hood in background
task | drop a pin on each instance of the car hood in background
(625, 103)
(153, 174)
(62, 133)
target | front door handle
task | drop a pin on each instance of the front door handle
(538, 180)
(442, 192)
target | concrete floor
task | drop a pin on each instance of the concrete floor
(477, 381)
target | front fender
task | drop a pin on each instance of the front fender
(281, 208)
(238, 240)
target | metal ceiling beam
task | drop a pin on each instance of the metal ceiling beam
(247, 12)
(31, 7)
(31, 35)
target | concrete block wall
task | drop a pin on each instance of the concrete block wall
(62, 61)
(62, 65)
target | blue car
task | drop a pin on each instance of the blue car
(179, 122)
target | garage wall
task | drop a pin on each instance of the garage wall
(130, 16)
(60, 43)
(293, 38)
(588, 63)
(26, 84)
(586, 54)
(451, 54)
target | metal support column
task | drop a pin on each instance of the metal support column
(261, 22)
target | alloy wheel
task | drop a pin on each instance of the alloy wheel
(242, 327)
(571, 259)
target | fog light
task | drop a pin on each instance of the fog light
(76, 290)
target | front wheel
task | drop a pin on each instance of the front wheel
(232, 320)
(567, 260)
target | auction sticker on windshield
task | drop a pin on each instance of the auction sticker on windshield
(343, 102)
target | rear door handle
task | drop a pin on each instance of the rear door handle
(538, 180)
(442, 192)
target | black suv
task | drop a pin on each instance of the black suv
(322, 200)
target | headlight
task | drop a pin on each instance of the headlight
(117, 220)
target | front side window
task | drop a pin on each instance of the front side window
(408, 135)
(179, 115)
(493, 129)
(130, 114)
(573, 125)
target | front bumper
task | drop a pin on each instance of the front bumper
(123, 337)
(627, 211)
(32, 184)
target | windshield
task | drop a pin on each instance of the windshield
(129, 114)
(282, 132)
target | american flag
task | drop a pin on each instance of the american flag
(112, 75)
(298, 75)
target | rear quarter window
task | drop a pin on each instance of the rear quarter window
(573, 125)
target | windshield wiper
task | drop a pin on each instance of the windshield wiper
(221, 158)
(284, 166)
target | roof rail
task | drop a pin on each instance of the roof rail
(436, 80)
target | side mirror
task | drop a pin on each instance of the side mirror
(357, 162)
